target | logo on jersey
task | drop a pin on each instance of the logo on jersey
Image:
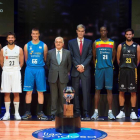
(122, 86)
(134, 45)
(5, 51)
(128, 51)
(30, 47)
(6, 57)
(40, 47)
(34, 61)
(31, 52)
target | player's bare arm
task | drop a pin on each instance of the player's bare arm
(1, 58)
(25, 52)
(138, 55)
(45, 52)
(114, 52)
(94, 53)
(119, 53)
(21, 58)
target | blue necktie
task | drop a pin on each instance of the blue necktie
(58, 57)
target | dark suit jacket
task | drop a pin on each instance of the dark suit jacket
(78, 59)
(56, 70)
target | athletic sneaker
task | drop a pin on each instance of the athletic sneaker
(17, 116)
(27, 115)
(133, 116)
(94, 116)
(42, 116)
(111, 116)
(6, 116)
(120, 115)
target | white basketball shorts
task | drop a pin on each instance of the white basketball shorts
(11, 82)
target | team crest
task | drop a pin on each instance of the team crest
(6, 51)
(128, 51)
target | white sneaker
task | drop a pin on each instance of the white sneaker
(17, 116)
(133, 116)
(120, 115)
(6, 116)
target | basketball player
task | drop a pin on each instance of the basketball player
(104, 52)
(128, 59)
(12, 60)
(35, 56)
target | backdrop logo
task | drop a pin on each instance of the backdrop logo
(85, 134)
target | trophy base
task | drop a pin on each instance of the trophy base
(67, 124)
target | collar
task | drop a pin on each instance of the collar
(80, 39)
(58, 50)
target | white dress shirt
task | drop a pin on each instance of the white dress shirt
(60, 52)
(78, 40)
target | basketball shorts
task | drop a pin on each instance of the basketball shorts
(104, 77)
(128, 80)
(37, 76)
(11, 82)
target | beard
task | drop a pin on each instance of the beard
(11, 42)
(129, 40)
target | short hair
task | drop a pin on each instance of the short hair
(11, 33)
(103, 27)
(59, 37)
(129, 29)
(81, 26)
(35, 29)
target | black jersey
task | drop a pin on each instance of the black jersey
(128, 57)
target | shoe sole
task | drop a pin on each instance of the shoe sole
(111, 118)
(6, 120)
(29, 117)
(133, 118)
(120, 118)
(94, 118)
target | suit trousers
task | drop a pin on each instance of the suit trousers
(57, 99)
(86, 85)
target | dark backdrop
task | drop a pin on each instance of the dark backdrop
(60, 18)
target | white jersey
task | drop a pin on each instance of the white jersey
(11, 58)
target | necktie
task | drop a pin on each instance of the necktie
(81, 47)
(58, 57)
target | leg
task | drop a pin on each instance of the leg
(16, 105)
(40, 97)
(109, 98)
(97, 98)
(121, 98)
(7, 101)
(54, 97)
(75, 85)
(28, 97)
(61, 98)
(133, 99)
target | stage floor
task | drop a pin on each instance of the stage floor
(22, 130)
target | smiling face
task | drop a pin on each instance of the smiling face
(59, 43)
(103, 32)
(35, 35)
(11, 39)
(129, 35)
(80, 33)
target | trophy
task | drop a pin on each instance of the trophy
(68, 95)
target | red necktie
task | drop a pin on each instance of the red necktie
(81, 47)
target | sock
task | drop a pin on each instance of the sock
(122, 108)
(109, 111)
(16, 105)
(7, 106)
(28, 106)
(133, 109)
(40, 107)
(96, 110)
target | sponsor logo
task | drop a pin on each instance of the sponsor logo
(40, 47)
(86, 134)
(31, 52)
(134, 45)
(6, 57)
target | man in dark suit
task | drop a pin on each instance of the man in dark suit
(81, 52)
(59, 65)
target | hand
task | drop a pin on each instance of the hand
(80, 68)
